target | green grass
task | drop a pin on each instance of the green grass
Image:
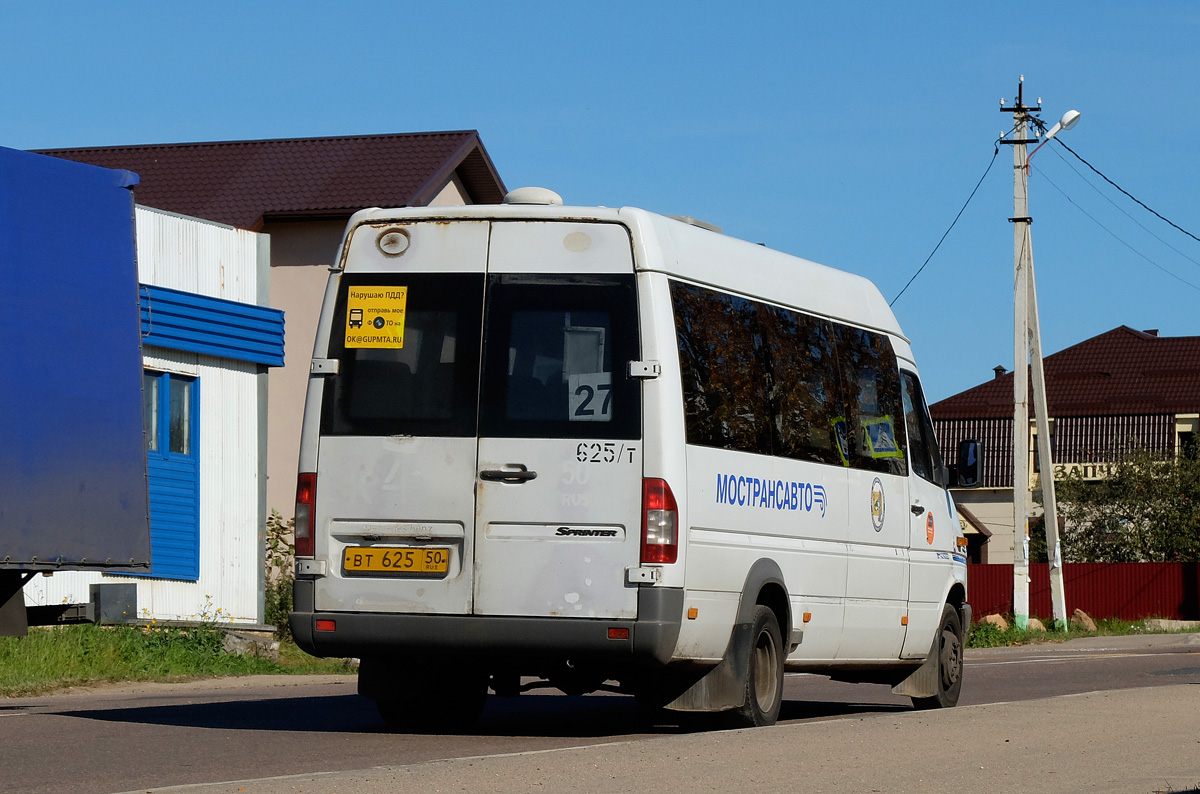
(985, 635)
(67, 656)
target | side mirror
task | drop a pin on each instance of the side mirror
(968, 469)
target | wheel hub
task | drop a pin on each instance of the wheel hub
(951, 658)
(765, 662)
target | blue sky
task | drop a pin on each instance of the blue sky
(846, 133)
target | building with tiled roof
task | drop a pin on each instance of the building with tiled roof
(1121, 389)
(301, 191)
(250, 184)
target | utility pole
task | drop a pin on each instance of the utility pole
(1027, 356)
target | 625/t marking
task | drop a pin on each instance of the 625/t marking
(604, 452)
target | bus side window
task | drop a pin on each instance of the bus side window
(804, 395)
(922, 443)
(721, 361)
(871, 387)
(773, 381)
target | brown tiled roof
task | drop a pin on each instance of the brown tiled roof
(243, 183)
(1119, 372)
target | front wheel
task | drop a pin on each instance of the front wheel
(763, 683)
(947, 654)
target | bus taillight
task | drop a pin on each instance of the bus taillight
(306, 499)
(660, 522)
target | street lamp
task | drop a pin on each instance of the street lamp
(1027, 356)
(1068, 120)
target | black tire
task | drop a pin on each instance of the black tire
(947, 650)
(764, 673)
(449, 708)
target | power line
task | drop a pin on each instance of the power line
(1126, 192)
(1121, 209)
(1115, 236)
(956, 217)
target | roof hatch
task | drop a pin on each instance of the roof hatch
(533, 195)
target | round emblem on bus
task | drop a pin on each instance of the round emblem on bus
(393, 242)
(577, 242)
(877, 504)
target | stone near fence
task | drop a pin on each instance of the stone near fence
(1036, 625)
(1080, 619)
(997, 621)
(244, 643)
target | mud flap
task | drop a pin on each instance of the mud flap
(14, 621)
(724, 686)
(923, 683)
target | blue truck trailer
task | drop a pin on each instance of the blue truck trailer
(73, 491)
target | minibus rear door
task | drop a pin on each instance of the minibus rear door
(558, 500)
(395, 504)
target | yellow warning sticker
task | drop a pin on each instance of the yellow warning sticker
(375, 316)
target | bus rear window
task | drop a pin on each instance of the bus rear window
(557, 355)
(408, 352)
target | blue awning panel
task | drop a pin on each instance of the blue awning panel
(213, 326)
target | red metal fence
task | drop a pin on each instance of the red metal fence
(1127, 590)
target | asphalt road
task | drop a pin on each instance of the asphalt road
(286, 734)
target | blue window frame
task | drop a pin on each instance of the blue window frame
(171, 416)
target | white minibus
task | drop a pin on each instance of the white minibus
(595, 448)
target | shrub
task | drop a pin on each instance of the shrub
(281, 571)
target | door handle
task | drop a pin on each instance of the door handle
(517, 474)
(916, 510)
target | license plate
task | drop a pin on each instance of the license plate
(430, 562)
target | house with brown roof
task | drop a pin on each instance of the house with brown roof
(1120, 390)
(301, 191)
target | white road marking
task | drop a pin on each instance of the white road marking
(1058, 660)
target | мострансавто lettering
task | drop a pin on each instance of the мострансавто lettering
(733, 489)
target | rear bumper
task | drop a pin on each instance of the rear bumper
(508, 640)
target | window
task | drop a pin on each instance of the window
(764, 379)
(179, 429)
(1187, 445)
(557, 355)
(167, 414)
(721, 362)
(170, 414)
(427, 387)
(874, 432)
(1036, 450)
(923, 451)
(150, 409)
(803, 384)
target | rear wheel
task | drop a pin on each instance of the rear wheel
(947, 654)
(410, 703)
(763, 683)
(447, 711)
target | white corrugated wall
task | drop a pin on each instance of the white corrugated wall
(217, 261)
(196, 256)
